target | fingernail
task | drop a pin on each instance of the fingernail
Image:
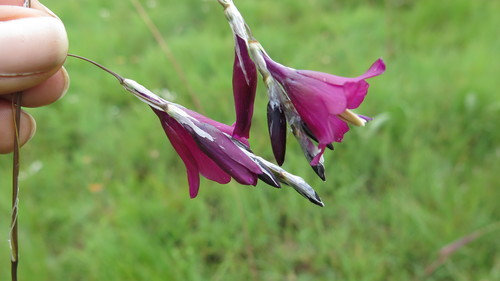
(66, 82)
(32, 121)
(41, 6)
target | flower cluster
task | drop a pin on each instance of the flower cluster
(317, 106)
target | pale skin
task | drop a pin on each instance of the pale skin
(33, 48)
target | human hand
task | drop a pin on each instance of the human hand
(33, 48)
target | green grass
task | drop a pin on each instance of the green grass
(110, 201)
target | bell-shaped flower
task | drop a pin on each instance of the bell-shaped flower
(244, 72)
(323, 101)
(207, 150)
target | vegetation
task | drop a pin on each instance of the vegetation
(105, 197)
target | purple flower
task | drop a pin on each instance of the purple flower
(206, 148)
(323, 100)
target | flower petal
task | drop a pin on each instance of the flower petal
(355, 88)
(335, 126)
(244, 86)
(377, 68)
(355, 93)
(226, 154)
(194, 159)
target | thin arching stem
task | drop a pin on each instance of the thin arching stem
(116, 75)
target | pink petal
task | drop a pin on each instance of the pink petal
(377, 68)
(338, 127)
(316, 104)
(355, 93)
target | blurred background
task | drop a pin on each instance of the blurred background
(105, 197)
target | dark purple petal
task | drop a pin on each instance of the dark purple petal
(244, 86)
(194, 159)
(267, 175)
(276, 122)
(227, 155)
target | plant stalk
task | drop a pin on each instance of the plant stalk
(13, 239)
(14, 242)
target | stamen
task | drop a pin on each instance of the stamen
(352, 118)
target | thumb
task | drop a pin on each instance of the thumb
(34, 46)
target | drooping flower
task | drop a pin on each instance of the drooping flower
(207, 150)
(323, 101)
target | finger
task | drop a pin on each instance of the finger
(7, 133)
(34, 47)
(49, 91)
(45, 93)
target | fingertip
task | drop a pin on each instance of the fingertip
(48, 91)
(33, 48)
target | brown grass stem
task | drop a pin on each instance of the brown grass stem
(168, 53)
(446, 251)
(13, 235)
(14, 242)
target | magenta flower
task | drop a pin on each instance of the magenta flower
(208, 150)
(323, 100)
